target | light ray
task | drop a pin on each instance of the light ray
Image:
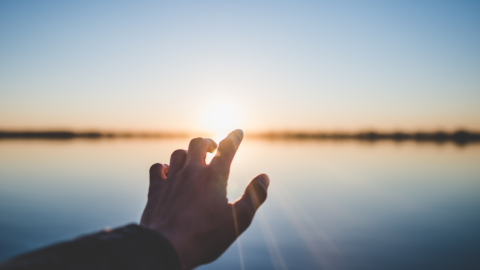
(237, 232)
(273, 250)
(303, 230)
(305, 216)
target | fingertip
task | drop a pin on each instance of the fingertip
(238, 134)
(254, 196)
(265, 179)
(212, 145)
(239, 131)
(226, 151)
(155, 168)
(195, 142)
(157, 172)
(260, 185)
(177, 160)
(258, 189)
(179, 153)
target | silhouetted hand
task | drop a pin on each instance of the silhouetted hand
(187, 201)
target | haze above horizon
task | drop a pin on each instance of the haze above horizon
(260, 66)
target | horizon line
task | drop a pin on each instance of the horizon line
(460, 136)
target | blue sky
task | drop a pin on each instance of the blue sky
(271, 65)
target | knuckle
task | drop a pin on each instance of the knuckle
(194, 169)
(188, 170)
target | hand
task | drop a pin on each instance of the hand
(187, 201)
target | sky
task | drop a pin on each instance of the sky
(194, 66)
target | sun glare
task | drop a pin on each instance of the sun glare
(221, 118)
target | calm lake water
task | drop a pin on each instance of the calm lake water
(331, 205)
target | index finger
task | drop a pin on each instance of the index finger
(226, 151)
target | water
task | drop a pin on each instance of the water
(331, 205)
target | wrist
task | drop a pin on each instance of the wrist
(175, 251)
(180, 244)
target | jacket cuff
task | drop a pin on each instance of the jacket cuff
(137, 247)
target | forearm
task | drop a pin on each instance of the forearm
(129, 247)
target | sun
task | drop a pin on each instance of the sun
(221, 118)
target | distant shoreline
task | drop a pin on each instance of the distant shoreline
(67, 135)
(458, 137)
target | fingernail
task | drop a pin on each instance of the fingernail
(239, 131)
(266, 179)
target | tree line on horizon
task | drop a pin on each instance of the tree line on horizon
(459, 137)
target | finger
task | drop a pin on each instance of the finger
(255, 194)
(177, 160)
(198, 148)
(157, 175)
(157, 172)
(226, 151)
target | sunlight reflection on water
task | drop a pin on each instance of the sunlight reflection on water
(331, 205)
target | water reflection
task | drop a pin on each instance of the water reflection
(331, 205)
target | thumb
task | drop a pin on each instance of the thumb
(255, 194)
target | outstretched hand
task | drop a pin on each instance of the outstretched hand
(187, 201)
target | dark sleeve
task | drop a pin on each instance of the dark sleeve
(129, 247)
